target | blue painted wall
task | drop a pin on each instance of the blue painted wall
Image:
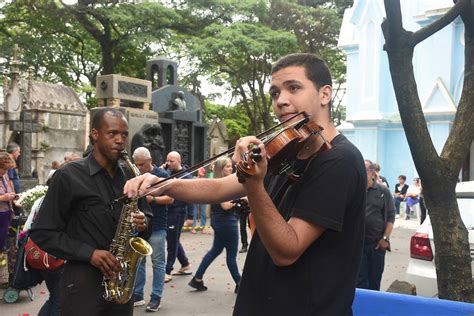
(373, 121)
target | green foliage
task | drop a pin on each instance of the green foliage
(232, 42)
(316, 29)
(241, 55)
(235, 119)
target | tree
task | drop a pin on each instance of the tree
(69, 42)
(241, 54)
(52, 43)
(452, 258)
(234, 117)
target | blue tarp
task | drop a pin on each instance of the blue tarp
(368, 303)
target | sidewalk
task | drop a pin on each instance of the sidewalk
(179, 298)
(412, 223)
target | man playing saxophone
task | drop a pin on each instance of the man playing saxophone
(78, 219)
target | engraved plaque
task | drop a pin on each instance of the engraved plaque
(132, 89)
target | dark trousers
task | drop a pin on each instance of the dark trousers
(52, 305)
(174, 247)
(243, 229)
(397, 201)
(81, 293)
(371, 267)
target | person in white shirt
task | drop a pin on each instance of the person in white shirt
(412, 196)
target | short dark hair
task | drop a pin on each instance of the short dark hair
(316, 69)
(402, 176)
(99, 116)
(371, 165)
(11, 147)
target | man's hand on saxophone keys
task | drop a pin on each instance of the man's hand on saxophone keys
(139, 220)
(105, 262)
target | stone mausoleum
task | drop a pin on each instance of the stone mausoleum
(46, 120)
(373, 121)
(180, 112)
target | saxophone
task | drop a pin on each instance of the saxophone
(128, 250)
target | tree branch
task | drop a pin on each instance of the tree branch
(437, 25)
(400, 54)
(392, 25)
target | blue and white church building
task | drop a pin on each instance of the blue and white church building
(373, 122)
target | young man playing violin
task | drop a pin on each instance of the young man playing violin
(305, 254)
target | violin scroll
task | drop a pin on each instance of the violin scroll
(281, 149)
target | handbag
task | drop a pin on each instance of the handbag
(39, 259)
(24, 278)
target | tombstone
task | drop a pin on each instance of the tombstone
(117, 91)
(181, 121)
(219, 140)
(47, 120)
(132, 97)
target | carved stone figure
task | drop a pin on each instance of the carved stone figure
(150, 136)
(179, 104)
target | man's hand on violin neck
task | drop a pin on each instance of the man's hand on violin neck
(245, 149)
(245, 145)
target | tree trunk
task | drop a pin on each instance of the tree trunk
(108, 64)
(438, 174)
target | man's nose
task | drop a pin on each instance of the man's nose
(283, 99)
(120, 139)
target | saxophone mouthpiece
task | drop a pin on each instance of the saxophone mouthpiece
(124, 155)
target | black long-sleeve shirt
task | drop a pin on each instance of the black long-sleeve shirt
(77, 215)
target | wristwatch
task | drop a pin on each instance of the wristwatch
(386, 238)
(154, 200)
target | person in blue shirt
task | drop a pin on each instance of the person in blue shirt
(143, 160)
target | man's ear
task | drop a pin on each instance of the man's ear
(325, 94)
(94, 134)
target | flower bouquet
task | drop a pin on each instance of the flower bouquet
(29, 197)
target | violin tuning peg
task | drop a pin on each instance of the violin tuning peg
(257, 157)
(256, 150)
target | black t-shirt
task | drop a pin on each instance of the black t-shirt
(403, 190)
(331, 193)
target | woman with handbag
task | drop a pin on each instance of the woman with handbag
(7, 196)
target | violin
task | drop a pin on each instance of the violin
(282, 148)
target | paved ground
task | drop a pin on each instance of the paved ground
(180, 299)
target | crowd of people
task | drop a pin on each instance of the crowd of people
(310, 246)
